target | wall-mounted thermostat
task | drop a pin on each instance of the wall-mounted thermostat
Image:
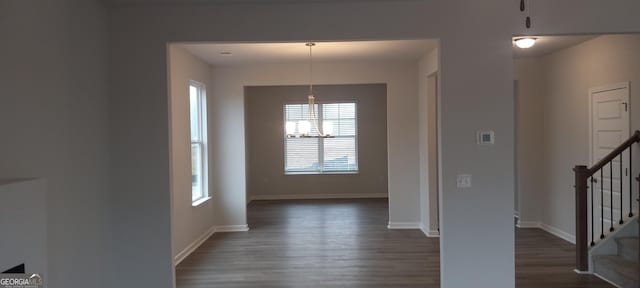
(486, 137)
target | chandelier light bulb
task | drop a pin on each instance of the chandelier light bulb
(290, 127)
(327, 128)
(304, 127)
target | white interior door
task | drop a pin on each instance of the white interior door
(609, 128)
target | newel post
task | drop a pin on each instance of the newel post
(582, 252)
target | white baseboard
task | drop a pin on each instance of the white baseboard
(198, 242)
(233, 228)
(403, 225)
(558, 233)
(607, 280)
(528, 224)
(193, 246)
(549, 229)
(317, 196)
(429, 233)
(582, 272)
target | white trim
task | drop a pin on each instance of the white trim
(615, 86)
(516, 214)
(233, 228)
(403, 225)
(528, 224)
(317, 196)
(434, 234)
(606, 280)
(429, 233)
(558, 233)
(200, 201)
(582, 272)
(549, 229)
(193, 246)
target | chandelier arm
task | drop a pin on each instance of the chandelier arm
(311, 68)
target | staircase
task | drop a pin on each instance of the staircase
(607, 226)
(621, 269)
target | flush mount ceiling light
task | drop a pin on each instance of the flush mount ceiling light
(309, 128)
(525, 42)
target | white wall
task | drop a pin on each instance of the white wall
(555, 120)
(53, 118)
(427, 131)
(188, 223)
(228, 91)
(476, 93)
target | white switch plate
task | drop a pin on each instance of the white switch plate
(464, 181)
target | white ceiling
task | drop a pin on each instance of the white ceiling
(549, 44)
(250, 53)
(392, 50)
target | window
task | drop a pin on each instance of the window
(336, 155)
(199, 165)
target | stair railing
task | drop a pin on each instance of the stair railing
(589, 191)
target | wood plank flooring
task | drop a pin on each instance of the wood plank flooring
(345, 243)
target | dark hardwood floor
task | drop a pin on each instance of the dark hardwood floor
(345, 243)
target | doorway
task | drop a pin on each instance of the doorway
(609, 127)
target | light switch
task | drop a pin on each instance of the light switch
(464, 181)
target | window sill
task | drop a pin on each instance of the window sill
(321, 173)
(200, 201)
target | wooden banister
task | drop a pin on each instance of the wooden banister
(613, 154)
(582, 226)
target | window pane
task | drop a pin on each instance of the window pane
(340, 154)
(301, 155)
(331, 111)
(348, 110)
(194, 105)
(323, 154)
(300, 112)
(343, 117)
(344, 127)
(339, 111)
(197, 189)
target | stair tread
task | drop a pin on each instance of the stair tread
(626, 268)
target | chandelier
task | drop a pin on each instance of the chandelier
(526, 42)
(309, 128)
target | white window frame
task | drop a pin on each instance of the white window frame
(202, 143)
(320, 116)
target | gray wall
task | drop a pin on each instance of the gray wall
(555, 91)
(265, 142)
(54, 125)
(476, 93)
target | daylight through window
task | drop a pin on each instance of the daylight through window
(338, 154)
(198, 116)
